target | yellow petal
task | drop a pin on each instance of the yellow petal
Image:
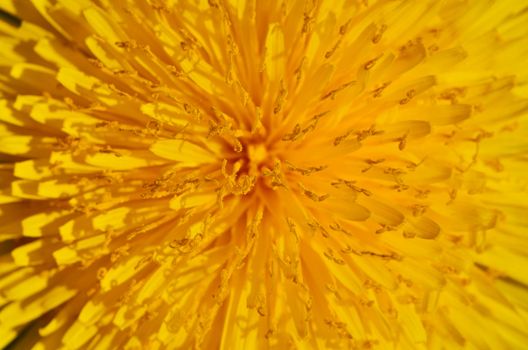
(423, 227)
(382, 213)
(78, 335)
(40, 224)
(21, 312)
(29, 146)
(275, 53)
(189, 154)
(26, 288)
(34, 253)
(75, 252)
(439, 114)
(122, 159)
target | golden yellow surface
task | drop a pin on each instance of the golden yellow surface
(246, 174)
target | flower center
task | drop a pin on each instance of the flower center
(257, 155)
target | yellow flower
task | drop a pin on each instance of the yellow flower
(243, 174)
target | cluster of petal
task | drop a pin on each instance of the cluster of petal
(226, 174)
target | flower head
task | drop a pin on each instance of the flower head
(263, 174)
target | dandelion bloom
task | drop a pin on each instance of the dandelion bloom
(230, 174)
